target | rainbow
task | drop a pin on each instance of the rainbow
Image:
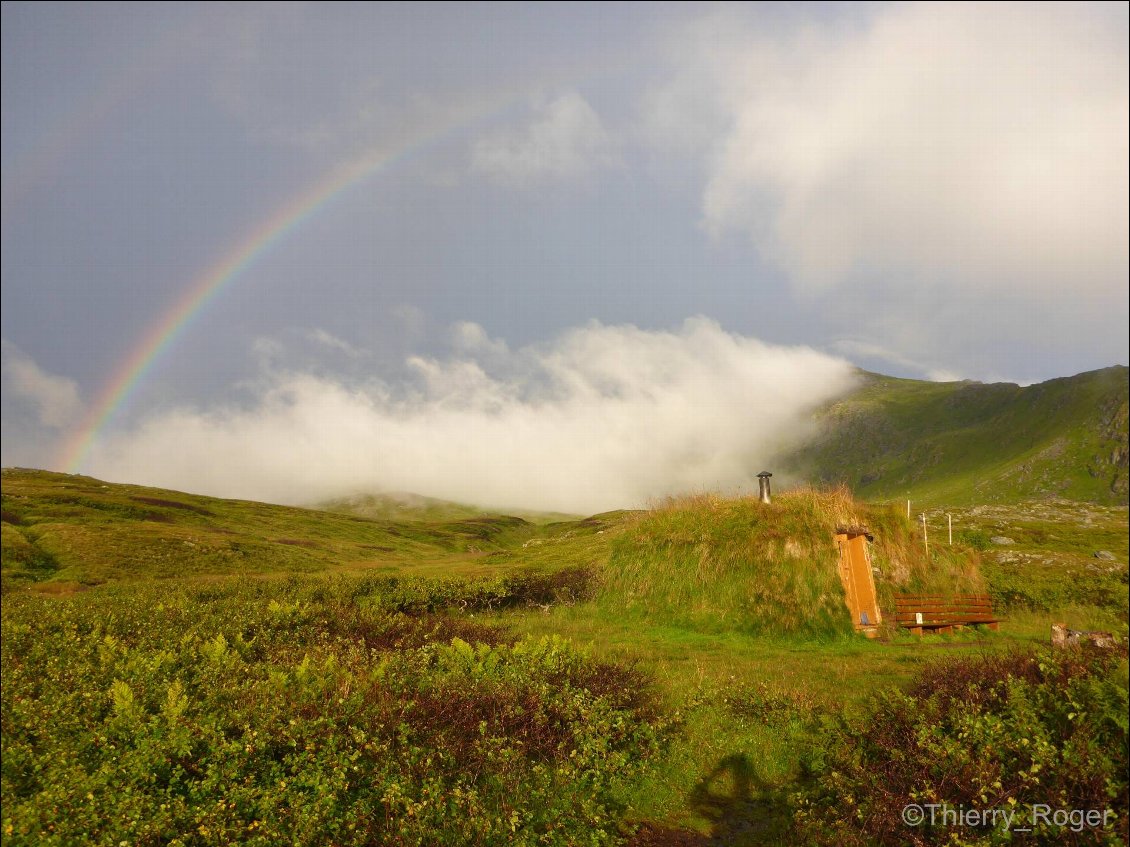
(161, 335)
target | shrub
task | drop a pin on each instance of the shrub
(1018, 733)
(288, 712)
(978, 539)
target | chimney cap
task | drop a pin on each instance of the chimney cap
(765, 473)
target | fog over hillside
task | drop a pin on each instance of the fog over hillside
(603, 417)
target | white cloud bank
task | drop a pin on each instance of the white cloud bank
(961, 167)
(605, 417)
(990, 140)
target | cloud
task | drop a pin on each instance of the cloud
(604, 417)
(976, 151)
(470, 338)
(987, 140)
(54, 400)
(565, 138)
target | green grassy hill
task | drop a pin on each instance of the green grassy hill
(405, 506)
(76, 530)
(967, 443)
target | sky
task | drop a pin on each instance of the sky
(568, 256)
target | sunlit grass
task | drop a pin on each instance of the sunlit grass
(719, 564)
(732, 608)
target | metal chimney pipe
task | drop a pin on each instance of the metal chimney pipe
(763, 484)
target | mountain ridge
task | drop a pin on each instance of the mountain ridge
(965, 442)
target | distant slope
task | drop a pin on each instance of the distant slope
(77, 529)
(405, 506)
(967, 442)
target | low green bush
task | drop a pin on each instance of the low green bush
(978, 539)
(1038, 736)
(286, 712)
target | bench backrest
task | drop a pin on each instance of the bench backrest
(939, 608)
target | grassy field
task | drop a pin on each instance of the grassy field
(77, 531)
(672, 676)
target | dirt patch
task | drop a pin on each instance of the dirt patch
(58, 589)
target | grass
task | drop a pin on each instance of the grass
(748, 704)
(1050, 567)
(404, 506)
(81, 531)
(963, 443)
(751, 698)
(731, 607)
(716, 564)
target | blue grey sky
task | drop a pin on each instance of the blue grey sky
(930, 191)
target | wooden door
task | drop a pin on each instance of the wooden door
(859, 583)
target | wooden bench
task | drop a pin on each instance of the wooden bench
(941, 613)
